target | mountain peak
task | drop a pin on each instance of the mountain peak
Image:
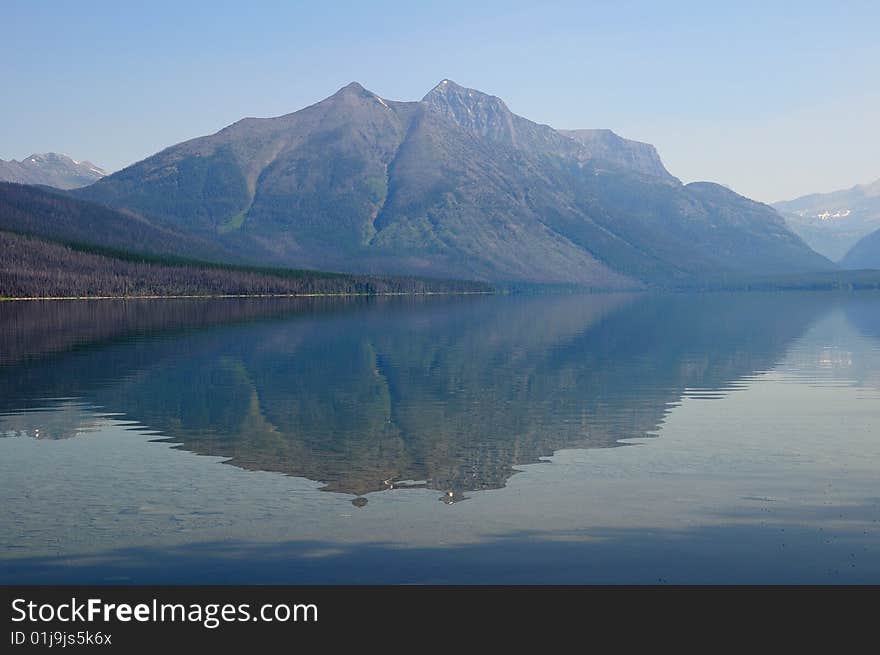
(447, 91)
(475, 111)
(355, 87)
(444, 86)
(352, 90)
(352, 95)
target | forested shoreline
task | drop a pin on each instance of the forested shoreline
(35, 268)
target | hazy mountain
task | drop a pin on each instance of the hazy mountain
(454, 185)
(51, 169)
(832, 223)
(865, 254)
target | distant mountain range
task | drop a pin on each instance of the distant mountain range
(832, 223)
(454, 186)
(51, 169)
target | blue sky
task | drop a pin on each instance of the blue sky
(772, 99)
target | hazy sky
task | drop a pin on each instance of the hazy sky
(774, 99)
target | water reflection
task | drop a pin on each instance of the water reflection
(65, 419)
(451, 394)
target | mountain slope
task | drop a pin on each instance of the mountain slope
(35, 268)
(832, 223)
(454, 185)
(37, 212)
(865, 254)
(50, 169)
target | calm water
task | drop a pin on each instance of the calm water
(622, 439)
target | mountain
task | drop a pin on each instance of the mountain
(832, 223)
(865, 254)
(51, 169)
(455, 185)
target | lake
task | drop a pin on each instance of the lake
(718, 438)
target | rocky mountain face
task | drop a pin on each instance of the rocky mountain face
(51, 169)
(454, 185)
(832, 223)
(609, 149)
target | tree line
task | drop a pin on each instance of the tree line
(34, 268)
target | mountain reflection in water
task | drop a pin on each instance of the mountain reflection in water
(448, 393)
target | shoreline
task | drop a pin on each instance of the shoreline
(253, 295)
(492, 292)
